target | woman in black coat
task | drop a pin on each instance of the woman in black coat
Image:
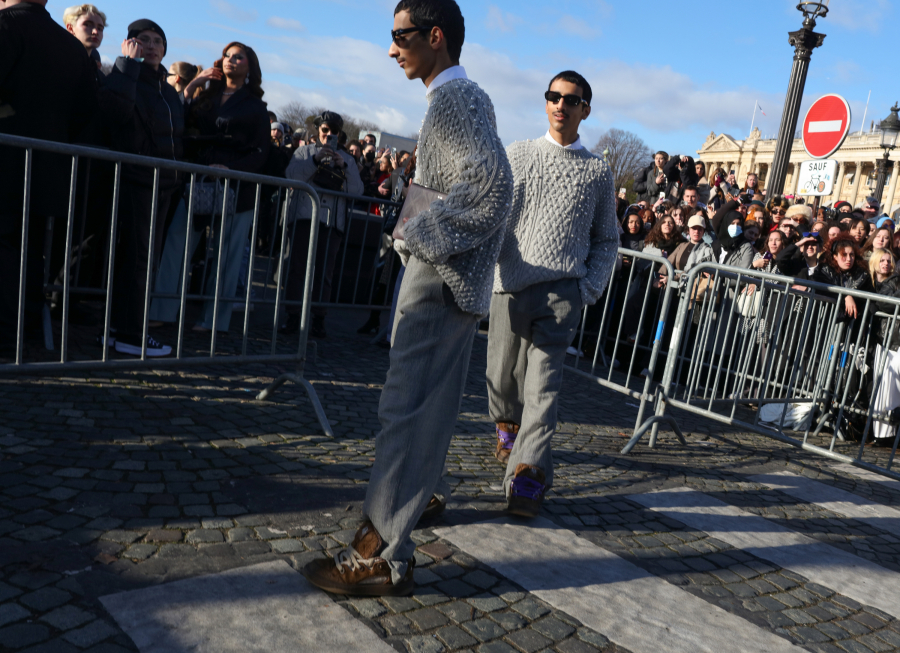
(228, 128)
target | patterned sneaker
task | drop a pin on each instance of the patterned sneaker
(358, 570)
(526, 491)
(506, 438)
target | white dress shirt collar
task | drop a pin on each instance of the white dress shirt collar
(451, 73)
(574, 146)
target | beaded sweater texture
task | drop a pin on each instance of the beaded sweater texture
(562, 224)
(461, 155)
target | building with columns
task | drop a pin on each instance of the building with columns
(857, 168)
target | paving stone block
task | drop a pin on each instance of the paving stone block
(553, 628)
(424, 576)
(427, 618)
(593, 637)
(217, 523)
(22, 635)
(483, 629)
(455, 588)
(45, 599)
(574, 645)
(12, 612)
(528, 640)
(241, 535)
(396, 624)
(530, 609)
(487, 603)
(799, 616)
(286, 546)
(455, 637)
(368, 608)
(424, 644)
(480, 579)
(496, 647)
(399, 604)
(457, 611)
(248, 549)
(93, 633)
(163, 535)
(810, 635)
(205, 536)
(139, 551)
(67, 617)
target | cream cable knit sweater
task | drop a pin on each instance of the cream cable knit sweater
(563, 220)
(460, 154)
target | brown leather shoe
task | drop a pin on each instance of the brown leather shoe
(358, 570)
(506, 438)
(526, 492)
(434, 508)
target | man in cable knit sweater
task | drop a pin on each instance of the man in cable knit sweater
(452, 247)
(557, 256)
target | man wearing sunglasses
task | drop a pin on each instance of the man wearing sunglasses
(558, 253)
(450, 251)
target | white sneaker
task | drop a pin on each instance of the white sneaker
(110, 341)
(154, 347)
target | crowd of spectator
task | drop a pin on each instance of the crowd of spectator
(214, 116)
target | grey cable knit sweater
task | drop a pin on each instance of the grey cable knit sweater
(562, 223)
(460, 154)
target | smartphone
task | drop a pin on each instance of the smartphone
(332, 141)
(731, 173)
(662, 195)
(767, 256)
(622, 190)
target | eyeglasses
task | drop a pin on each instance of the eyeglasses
(778, 212)
(398, 35)
(571, 100)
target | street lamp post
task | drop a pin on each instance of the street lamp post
(890, 129)
(804, 40)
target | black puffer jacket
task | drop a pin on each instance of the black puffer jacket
(234, 134)
(857, 278)
(681, 174)
(645, 184)
(145, 117)
(890, 287)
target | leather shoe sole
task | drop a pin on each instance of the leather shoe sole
(434, 508)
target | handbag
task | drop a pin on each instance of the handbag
(748, 305)
(208, 196)
(418, 199)
(329, 178)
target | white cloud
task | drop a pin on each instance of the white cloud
(859, 15)
(502, 21)
(233, 12)
(576, 26)
(285, 23)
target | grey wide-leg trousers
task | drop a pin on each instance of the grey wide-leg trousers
(529, 333)
(430, 352)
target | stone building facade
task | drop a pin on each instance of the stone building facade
(857, 168)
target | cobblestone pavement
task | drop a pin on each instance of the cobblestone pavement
(111, 482)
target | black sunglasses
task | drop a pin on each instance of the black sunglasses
(571, 100)
(398, 34)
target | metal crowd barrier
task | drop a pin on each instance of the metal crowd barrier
(780, 360)
(266, 271)
(624, 331)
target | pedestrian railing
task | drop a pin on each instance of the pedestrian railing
(52, 344)
(781, 357)
(620, 337)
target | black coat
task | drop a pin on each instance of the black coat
(234, 134)
(48, 90)
(145, 116)
(645, 184)
(857, 278)
(792, 263)
(685, 175)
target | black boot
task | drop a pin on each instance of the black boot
(318, 327)
(292, 325)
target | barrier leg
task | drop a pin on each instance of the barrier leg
(650, 423)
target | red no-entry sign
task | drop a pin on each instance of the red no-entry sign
(826, 126)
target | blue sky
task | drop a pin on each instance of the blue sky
(670, 72)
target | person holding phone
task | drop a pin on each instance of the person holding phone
(329, 170)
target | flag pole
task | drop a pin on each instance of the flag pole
(863, 125)
(752, 122)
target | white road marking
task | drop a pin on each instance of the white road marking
(834, 499)
(632, 607)
(265, 607)
(822, 126)
(859, 472)
(844, 572)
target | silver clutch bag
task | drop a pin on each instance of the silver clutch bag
(418, 199)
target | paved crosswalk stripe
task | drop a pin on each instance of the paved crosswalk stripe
(859, 472)
(264, 607)
(833, 499)
(853, 576)
(632, 607)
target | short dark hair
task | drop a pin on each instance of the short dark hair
(665, 155)
(444, 14)
(690, 187)
(367, 135)
(574, 78)
(401, 154)
(272, 117)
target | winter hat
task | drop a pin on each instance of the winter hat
(881, 222)
(838, 205)
(799, 210)
(276, 125)
(331, 119)
(147, 25)
(696, 221)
